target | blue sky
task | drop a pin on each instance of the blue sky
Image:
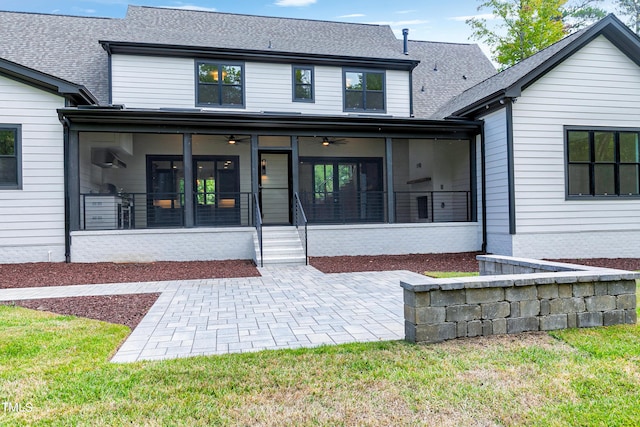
(435, 20)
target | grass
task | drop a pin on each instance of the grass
(449, 274)
(57, 369)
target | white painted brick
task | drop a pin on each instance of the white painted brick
(392, 239)
(197, 244)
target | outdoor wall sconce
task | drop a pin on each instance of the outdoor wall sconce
(263, 165)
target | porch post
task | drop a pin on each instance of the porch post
(188, 180)
(73, 179)
(254, 165)
(295, 164)
(388, 154)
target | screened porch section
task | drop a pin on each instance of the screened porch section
(139, 181)
(147, 187)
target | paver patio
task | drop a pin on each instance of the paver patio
(288, 307)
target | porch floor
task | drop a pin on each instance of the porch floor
(288, 307)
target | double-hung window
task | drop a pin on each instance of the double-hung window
(364, 91)
(10, 157)
(302, 83)
(603, 163)
(220, 84)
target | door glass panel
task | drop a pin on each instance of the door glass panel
(167, 193)
(343, 191)
(275, 193)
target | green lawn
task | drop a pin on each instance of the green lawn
(56, 368)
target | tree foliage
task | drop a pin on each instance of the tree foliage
(526, 26)
(631, 10)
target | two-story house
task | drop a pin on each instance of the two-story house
(185, 135)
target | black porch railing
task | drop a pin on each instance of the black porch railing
(167, 210)
(344, 207)
(163, 210)
(432, 206)
(300, 221)
(258, 225)
(350, 207)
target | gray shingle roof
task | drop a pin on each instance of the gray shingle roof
(502, 80)
(67, 46)
(445, 70)
(247, 32)
(62, 46)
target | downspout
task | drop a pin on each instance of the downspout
(483, 184)
(67, 223)
(510, 167)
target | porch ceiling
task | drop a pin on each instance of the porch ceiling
(198, 121)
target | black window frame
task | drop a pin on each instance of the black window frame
(220, 84)
(364, 90)
(592, 163)
(17, 155)
(295, 84)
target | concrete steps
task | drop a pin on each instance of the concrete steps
(280, 246)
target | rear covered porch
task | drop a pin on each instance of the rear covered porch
(196, 182)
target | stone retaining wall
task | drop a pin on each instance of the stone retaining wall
(514, 295)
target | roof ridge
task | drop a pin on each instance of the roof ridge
(441, 42)
(258, 16)
(110, 18)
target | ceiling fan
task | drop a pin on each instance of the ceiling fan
(232, 140)
(331, 141)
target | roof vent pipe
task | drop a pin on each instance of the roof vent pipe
(405, 36)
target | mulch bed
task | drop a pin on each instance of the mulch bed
(130, 309)
(418, 263)
(59, 274)
(123, 309)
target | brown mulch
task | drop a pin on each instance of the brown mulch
(418, 263)
(631, 264)
(58, 274)
(123, 309)
(130, 309)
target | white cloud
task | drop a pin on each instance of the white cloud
(404, 12)
(487, 16)
(191, 7)
(400, 23)
(294, 3)
(84, 11)
(353, 15)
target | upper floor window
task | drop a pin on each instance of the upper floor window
(364, 91)
(603, 163)
(303, 83)
(220, 84)
(10, 156)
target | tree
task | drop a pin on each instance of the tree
(527, 26)
(631, 9)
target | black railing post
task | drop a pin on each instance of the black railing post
(301, 218)
(258, 224)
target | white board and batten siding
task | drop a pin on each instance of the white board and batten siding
(497, 182)
(598, 86)
(32, 218)
(158, 82)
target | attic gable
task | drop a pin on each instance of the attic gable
(511, 82)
